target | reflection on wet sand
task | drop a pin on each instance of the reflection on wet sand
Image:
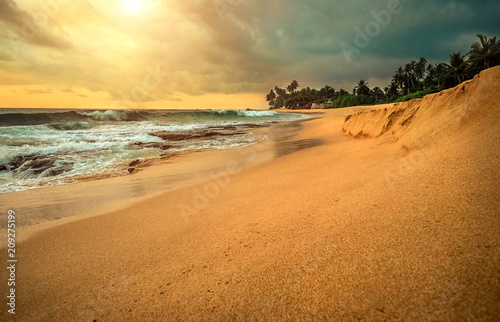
(288, 147)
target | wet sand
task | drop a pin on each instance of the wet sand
(92, 196)
(385, 227)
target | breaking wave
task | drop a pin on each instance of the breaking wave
(38, 146)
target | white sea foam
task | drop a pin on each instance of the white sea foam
(109, 143)
(106, 115)
(255, 113)
(245, 113)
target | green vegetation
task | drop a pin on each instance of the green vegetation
(353, 100)
(419, 94)
(413, 80)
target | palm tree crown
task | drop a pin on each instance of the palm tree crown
(362, 88)
(457, 67)
(485, 52)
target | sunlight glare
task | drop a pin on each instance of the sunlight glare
(132, 6)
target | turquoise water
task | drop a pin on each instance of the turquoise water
(41, 147)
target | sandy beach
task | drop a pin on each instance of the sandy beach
(394, 216)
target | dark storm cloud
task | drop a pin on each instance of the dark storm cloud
(310, 31)
(301, 39)
(432, 29)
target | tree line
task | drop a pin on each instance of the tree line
(413, 80)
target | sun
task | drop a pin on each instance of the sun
(132, 6)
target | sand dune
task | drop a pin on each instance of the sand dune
(415, 124)
(405, 225)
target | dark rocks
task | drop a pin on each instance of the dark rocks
(58, 169)
(134, 163)
(20, 159)
(226, 127)
(169, 136)
(254, 126)
(132, 166)
(202, 134)
(155, 145)
(3, 168)
(31, 166)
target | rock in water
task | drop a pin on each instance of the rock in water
(32, 166)
(134, 163)
(155, 145)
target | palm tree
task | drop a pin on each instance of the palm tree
(362, 88)
(420, 68)
(457, 67)
(281, 97)
(315, 94)
(327, 91)
(408, 73)
(378, 94)
(485, 52)
(294, 85)
(343, 92)
(399, 78)
(430, 77)
(441, 74)
(280, 92)
(391, 91)
(271, 97)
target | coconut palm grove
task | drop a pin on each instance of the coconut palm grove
(413, 80)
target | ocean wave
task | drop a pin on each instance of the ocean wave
(70, 126)
(69, 117)
(242, 113)
(69, 120)
(115, 115)
(20, 119)
(61, 144)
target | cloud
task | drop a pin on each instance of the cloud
(173, 99)
(34, 30)
(254, 45)
(38, 91)
(5, 56)
(226, 46)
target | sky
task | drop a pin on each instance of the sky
(218, 53)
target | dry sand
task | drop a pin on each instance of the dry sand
(403, 225)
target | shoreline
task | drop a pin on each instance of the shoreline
(280, 134)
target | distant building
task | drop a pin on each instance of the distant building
(321, 106)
